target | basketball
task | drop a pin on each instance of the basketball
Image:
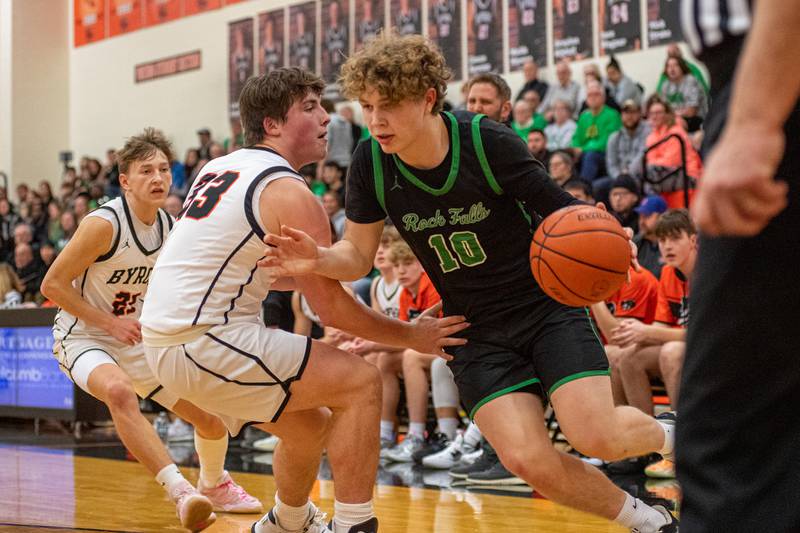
(580, 255)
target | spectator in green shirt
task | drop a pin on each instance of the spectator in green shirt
(525, 120)
(595, 126)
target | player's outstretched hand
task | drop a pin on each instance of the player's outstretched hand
(127, 330)
(292, 253)
(432, 335)
(738, 194)
(634, 249)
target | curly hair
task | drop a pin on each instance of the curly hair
(142, 147)
(399, 68)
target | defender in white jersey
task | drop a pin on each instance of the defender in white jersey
(201, 328)
(100, 281)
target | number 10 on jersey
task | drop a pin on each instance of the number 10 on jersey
(468, 251)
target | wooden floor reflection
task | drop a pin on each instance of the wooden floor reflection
(56, 490)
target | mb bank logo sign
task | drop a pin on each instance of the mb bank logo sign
(29, 374)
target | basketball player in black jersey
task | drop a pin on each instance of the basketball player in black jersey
(454, 187)
(737, 441)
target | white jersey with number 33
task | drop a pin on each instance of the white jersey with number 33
(207, 273)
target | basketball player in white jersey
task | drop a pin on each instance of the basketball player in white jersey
(99, 282)
(201, 328)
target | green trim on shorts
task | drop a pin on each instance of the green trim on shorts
(499, 393)
(579, 375)
(594, 329)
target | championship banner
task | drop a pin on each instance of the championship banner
(160, 11)
(270, 41)
(444, 29)
(124, 16)
(369, 20)
(620, 26)
(484, 36)
(572, 29)
(664, 22)
(335, 37)
(193, 7)
(302, 36)
(406, 16)
(90, 21)
(527, 32)
(240, 63)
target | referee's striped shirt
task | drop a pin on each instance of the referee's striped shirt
(709, 23)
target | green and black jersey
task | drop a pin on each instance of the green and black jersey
(467, 220)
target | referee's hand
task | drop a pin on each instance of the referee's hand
(738, 194)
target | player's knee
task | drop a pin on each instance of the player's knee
(541, 469)
(628, 360)
(119, 395)
(208, 424)
(387, 363)
(367, 384)
(598, 442)
(671, 356)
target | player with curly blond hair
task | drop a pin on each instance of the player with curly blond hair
(454, 185)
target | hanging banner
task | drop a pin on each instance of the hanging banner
(270, 41)
(369, 20)
(444, 29)
(407, 16)
(124, 16)
(527, 33)
(90, 21)
(240, 63)
(484, 36)
(335, 37)
(572, 29)
(193, 7)
(302, 36)
(620, 26)
(160, 11)
(664, 22)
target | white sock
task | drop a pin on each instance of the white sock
(347, 515)
(387, 430)
(448, 426)
(669, 439)
(472, 435)
(212, 458)
(416, 429)
(637, 514)
(171, 479)
(291, 518)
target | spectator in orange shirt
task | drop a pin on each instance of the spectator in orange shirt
(635, 300)
(417, 295)
(657, 350)
(666, 157)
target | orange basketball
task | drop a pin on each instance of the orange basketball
(580, 255)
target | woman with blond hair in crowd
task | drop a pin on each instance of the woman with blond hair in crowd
(10, 287)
